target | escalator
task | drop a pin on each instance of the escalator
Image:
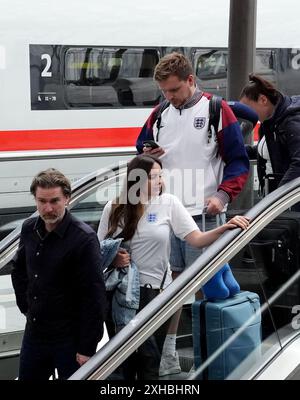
(278, 299)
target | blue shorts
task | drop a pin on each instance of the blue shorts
(182, 254)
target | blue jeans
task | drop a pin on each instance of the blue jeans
(38, 359)
(182, 254)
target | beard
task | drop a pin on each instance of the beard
(51, 219)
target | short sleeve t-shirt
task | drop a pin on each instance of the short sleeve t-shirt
(150, 245)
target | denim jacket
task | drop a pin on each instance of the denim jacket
(123, 281)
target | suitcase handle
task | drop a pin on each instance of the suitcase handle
(204, 212)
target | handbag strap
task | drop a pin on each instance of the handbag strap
(163, 280)
(204, 213)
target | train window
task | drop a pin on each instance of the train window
(265, 65)
(167, 50)
(210, 67)
(265, 62)
(110, 77)
(211, 64)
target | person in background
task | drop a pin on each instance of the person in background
(278, 149)
(215, 165)
(144, 217)
(58, 284)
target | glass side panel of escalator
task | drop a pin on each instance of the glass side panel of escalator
(267, 266)
(263, 266)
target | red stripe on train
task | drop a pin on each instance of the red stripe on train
(67, 138)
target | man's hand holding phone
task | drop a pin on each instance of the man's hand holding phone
(151, 147)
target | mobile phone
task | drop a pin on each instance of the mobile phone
(150, 143)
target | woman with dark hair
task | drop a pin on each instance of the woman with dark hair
(144, 217)
(278, 149)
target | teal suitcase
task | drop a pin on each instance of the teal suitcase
(213, 322)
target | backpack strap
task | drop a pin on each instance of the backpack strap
(214, 115)
(165, 104)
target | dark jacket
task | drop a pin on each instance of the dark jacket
(282, 133)
(59, 284)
